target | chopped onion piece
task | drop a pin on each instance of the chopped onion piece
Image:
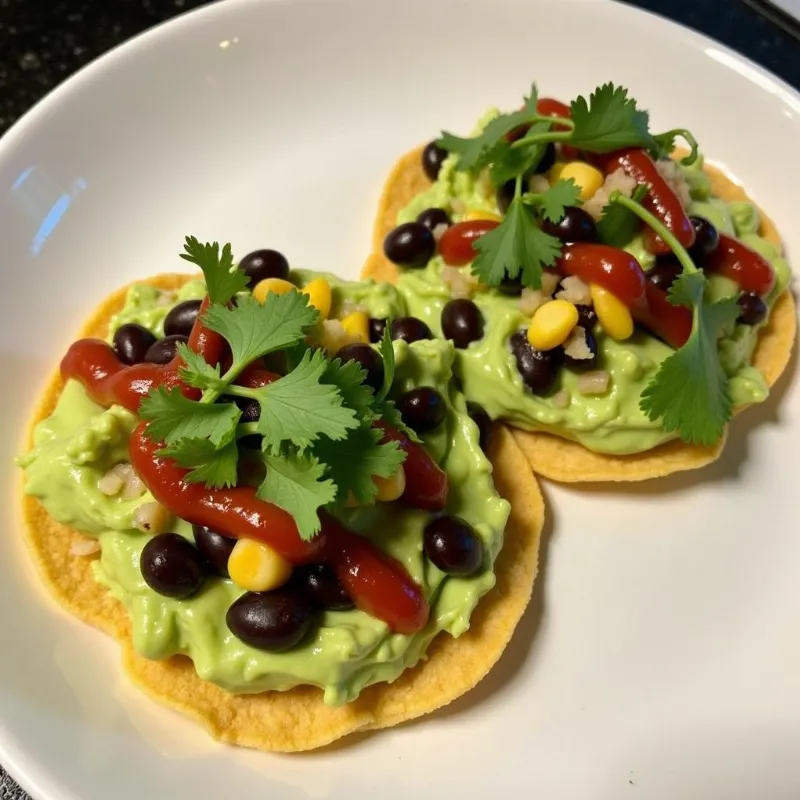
(561, 399)
(84, 546)
(595, 382)
(152, 518)
(530, 300)
(575, 291)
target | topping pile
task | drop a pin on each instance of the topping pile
(261, 420)
(573, 185)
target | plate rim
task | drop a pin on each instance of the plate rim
(32, 776)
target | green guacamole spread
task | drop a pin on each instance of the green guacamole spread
(611, 422)
(348, 650)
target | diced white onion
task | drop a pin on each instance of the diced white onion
(594, 382)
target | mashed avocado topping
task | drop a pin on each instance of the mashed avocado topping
(612, 422)
(347, 650)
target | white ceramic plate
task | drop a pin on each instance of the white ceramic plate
(661, 655)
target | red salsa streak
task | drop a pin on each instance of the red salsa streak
(660, 200)
(615, 270)
(108, 381)
(671, 323)
(737, 261)
(233, 512)
(456, 245)
(377, 583)
(426, 481)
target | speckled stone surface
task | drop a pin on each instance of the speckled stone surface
(42, 42)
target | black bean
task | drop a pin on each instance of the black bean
(547, 160)
(431, 218)
(409, 245)
(587, 316)
(537, 368)
(262, 264)
(171, 565)
(584, 363)
(164, 350)
(575, 226)
(377, 325)
(214, 548)
(753, 309)
(180, 320)
(479, 416)
(132, 341)
(422, 409)
(510, 286)
(453, 546)
(273, 621)
(505, 194)
(410, 329)
(706, 239)
(370, 361)
(664, 272)
(432, 158)
(462, 322)
(322, 586)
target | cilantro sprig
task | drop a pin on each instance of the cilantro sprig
(690, 392)
(518, 247)
(316, 422)
(608, 120)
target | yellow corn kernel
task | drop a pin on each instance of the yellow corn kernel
(554, 173)
(356, 326)
(390, 488)
(589, 178)
(319, 296)
(552, 323)
(475, 213)
(256, 567)
(612, 313)
(271, 285)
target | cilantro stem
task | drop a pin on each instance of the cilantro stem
(545, 137)
(658, 226)
(212, 395)
(689, 139)
(242, 391)
(246, 429)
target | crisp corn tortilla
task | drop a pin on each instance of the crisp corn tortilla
(561, 459)
(298, 719)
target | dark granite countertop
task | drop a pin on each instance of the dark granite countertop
(42, 42)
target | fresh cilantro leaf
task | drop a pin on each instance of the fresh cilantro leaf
(297, 484)
(174, 417)
(552, 203)
(300, 408)
(521, 159)
(348, 378)
(609, 120)
(690, 391)
(478, 151)
(253, 330)
(222, 281)
(386, 349)
(216, 467)
(664, 144)
(387, 411)
(198, 372)
(517, 245)
(353, 461)
(619, 225)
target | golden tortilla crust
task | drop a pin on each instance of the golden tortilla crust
(298, 719)
(561, 459)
